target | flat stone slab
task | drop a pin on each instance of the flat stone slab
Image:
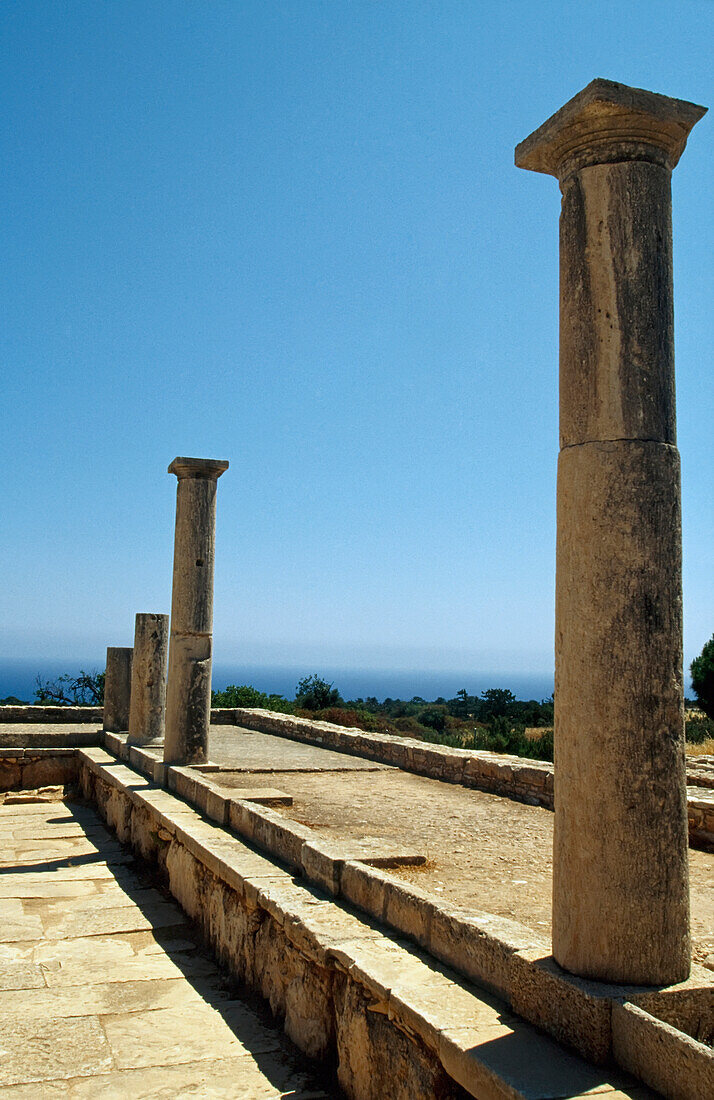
(104, 991)
(247, 750)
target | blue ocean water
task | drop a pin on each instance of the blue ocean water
(17, 677)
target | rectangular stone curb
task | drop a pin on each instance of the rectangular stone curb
(49, 739)
(664, 1058)
(41, 752)
(270, 831)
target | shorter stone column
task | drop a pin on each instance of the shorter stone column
(188, 694)
(148, 679)
(117, 689)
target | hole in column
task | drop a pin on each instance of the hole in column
(199, 561)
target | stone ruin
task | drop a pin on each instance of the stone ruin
(618, 988)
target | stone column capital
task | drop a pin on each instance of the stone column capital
(209, 469)
(608, 123)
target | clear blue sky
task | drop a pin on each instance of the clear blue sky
(291, 235)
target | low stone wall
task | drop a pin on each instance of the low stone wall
(393, 1023)
(700, 812)
(499, 954)
(27, 713)
(28, 769)
(345, 994)
(65, 715)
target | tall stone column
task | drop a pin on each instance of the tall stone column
(148, 679)
(620, 875)
(188, 694)
(117, 689)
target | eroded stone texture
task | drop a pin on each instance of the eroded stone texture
(620, 883)
(117, 689)
(188, 696)
(148, 679)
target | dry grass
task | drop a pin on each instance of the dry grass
(705, 749)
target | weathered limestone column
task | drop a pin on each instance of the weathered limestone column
(117, 689)
(148, 679)
(620, 876)
(188, 694)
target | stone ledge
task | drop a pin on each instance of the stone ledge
(666, 1059)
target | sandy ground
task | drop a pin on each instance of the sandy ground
(484, 851)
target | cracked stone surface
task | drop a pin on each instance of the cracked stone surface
(104, 991)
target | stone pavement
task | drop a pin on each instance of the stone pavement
(104, 992)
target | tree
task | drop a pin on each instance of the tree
(496, 702)
(314, 693)
(86, 689)
(702, 670)
(434, 717)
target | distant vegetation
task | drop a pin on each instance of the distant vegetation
(494, 720)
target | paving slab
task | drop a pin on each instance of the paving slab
(104, 989)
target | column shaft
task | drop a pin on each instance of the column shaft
(117, 689)
(620, 872)
(620, 885)
(188, 698)
(148, 679)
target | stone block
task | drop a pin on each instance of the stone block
(282, 838)
(372, 1052)
(183, 782)
(408, 910)
(574, 1011)
(664, 1058)
(216, 806)
(322, 865)
(364, 887)
(481, 947)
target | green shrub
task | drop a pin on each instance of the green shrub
(698, 730)
(244, 695)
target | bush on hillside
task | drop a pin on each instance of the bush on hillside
(244, 695)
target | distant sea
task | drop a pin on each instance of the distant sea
(17, 677)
